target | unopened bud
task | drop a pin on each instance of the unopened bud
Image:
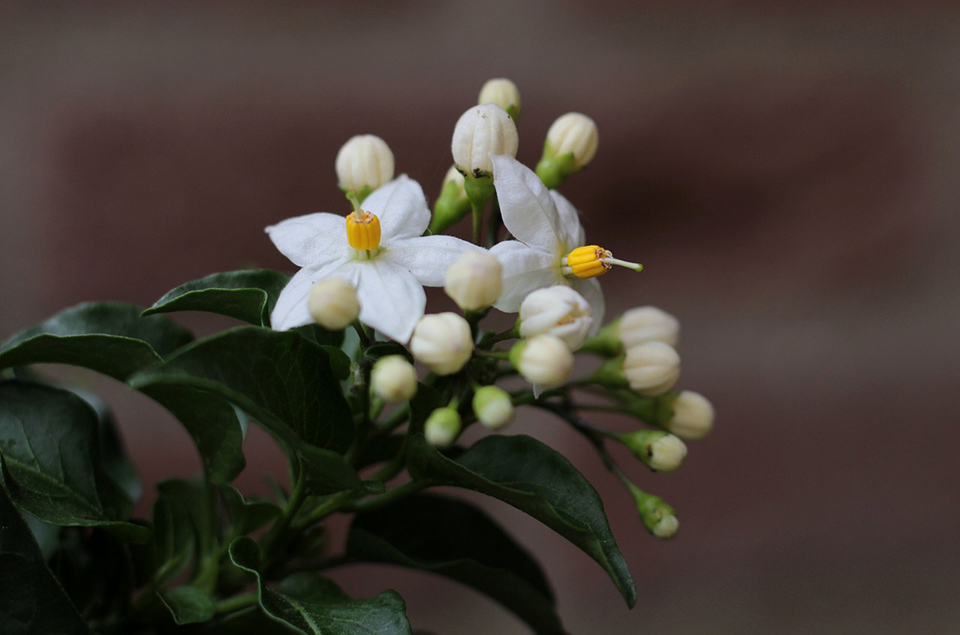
(658, 517)
(557, 310)
(493, 407)
(442, 427)
(475, 280)
(452, 204)
(363, 164)
(393, 379)
(692, 416)
(659, 450)
(481, 131)
(571, 144)
(442, 342)
(333, 303)
(503, 93)
(651, 368)
(648, 324)
(545, 360)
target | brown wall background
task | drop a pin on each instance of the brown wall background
(787, 172)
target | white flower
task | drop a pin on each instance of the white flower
(648, 324)
(549, 247)
(383, 255)
(558, 310)
(481, 131)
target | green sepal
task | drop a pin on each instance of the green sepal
(553, 170)
(248, 295)
(450, 208)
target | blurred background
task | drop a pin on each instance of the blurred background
(786, 171)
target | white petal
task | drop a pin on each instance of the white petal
(401, 207)
(291, 308)
(591, 292)
(528, 210)
(391, 299)
(426, 257)
(313, 240)
(570, 227)
(524, 270)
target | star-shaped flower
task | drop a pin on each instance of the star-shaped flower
(380, 250)
(549, 247)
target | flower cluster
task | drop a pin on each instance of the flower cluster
(367, 268)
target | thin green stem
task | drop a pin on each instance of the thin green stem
(477, 222)
(237, 603)
(389, 497)
(333, 503)
(297, 497)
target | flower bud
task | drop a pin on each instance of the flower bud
(692, 416)
(657, 516)
(481, 131)
(660, 451)
(493, 407)
(452, 204)
(363, 164)
(442, 427)
(333, 303)
(648, 324)
(557, 310)
(475, 280)
(651, 368)
(571, 144)
(393, 379)
(503, 93)
(545, 360)
(442, 342)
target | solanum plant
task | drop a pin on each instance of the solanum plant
(368, 398)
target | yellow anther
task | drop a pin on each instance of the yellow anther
(587, 262)
(363, 231)
(592, 261)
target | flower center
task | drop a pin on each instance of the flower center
(592, 261)
(363, 231)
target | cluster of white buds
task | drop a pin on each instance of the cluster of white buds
(442, 342)
(333, 303)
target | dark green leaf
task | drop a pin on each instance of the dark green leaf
(247, 516)
(339, 362)
(319, 335)
(282, 380)
(31, 600)
(327, 472)
(49, 439)
(212, 423)
(247, 295)
(457, 540)
(183, 527)
(108, 337)
(382, 349)
(525, 473)
(311, 604)
(188, 604)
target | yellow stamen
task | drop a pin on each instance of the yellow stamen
(363, 231)
(592, 261)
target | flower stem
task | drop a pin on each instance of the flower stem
(237, 603)
(388, 497)
(477, 222)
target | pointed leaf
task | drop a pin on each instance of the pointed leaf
(311, 604)
(108, 337)
(537, 480)
(282, 380)
(188, 604)
(51, 460)
(457, 540)
(246, 516)
(247, 295)
(31, 599)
